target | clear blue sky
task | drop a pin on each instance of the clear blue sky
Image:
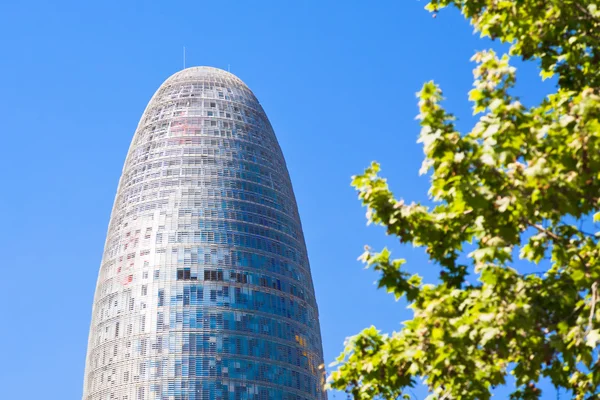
(337, 80)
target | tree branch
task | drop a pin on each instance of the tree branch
(545, 231)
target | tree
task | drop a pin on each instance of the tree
(524, 182)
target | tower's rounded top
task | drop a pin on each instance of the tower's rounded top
(203, 73)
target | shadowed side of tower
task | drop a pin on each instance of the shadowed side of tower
(204, 291)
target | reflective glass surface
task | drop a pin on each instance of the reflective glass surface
(204, 291)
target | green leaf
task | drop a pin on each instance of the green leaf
(593, 338)
(523, 180)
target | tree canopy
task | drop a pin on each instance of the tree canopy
(523, 183)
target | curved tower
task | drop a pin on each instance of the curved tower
(204, 291)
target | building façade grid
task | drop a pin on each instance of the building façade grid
(204, 290)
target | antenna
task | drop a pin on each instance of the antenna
(183, 57)
(228, 67)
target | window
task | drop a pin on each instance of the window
(183, 274)
(212, 275)
(161, 297)
(240, 277)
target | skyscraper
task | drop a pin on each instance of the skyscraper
(204, 290)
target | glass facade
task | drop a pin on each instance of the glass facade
(204, 291)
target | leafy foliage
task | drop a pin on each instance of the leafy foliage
(522, 181)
